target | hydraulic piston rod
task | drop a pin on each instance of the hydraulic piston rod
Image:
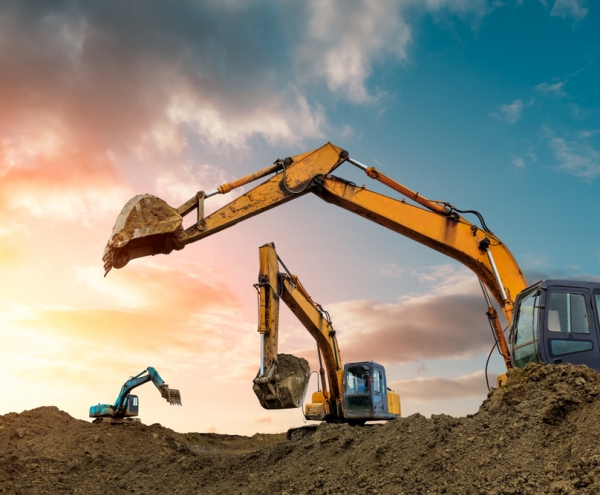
(396, 186)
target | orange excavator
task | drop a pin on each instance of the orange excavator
(551, 321)
(351, 393)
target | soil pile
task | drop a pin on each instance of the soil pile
(538, 435)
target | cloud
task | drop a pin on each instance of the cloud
(575, 156)
(424, 389)
(391, 270)
(178, 316)
(569, 8)
(92, 99)
(588, 134)
(510, 113)
(446, 322)
(552, 89)
(47, 172)
(345, 40)
(181, 183)
(192, 287)
(517, 161)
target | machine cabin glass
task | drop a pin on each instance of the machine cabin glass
(132, 405)
(570, 328)
(525, 334)
(365, 391)
(357, 388)
(597, 306)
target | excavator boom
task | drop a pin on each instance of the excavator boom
(148, 226)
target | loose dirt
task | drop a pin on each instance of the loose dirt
(538, 435)
(154, 212)
(289, 365)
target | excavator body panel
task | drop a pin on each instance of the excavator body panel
(365, 393)
(557, 321)
(101, 410)
(319, 409)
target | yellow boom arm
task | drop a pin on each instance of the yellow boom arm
(273, 286)
(148, 226)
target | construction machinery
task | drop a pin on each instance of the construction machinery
(351, 393)
(126, 407)
(148, 226)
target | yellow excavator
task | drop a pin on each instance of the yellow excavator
(351, 393)
(551, 321)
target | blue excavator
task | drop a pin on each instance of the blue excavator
(126, 407)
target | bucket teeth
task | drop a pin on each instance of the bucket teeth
(174, 397)
(171, 395)
(108, 259)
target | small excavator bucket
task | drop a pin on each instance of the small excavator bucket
(284, 385)
(171, 395)
(145, 226)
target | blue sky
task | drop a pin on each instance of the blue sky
(492, 106)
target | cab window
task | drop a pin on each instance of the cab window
(357, 380)
(525, 332)
(567, 313)
(526, 320)
(376, 381)
(562, 347)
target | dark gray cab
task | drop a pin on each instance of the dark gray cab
(557, 321)
(365, 392)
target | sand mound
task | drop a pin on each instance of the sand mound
(538, 435)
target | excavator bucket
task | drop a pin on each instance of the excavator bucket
(145, 226)
(171, 395)
(284, 385)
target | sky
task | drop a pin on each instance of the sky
(489, 105)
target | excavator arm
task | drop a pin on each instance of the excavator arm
(274, 286)
(148, 226)
(172, 396)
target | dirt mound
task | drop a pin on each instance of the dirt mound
(537, 435)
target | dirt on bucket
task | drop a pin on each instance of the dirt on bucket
(285, 389)
(539, 434)
(289, 365)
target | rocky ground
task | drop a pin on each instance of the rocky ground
(538, 435)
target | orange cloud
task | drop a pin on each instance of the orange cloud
(416, 328)
(176, 313)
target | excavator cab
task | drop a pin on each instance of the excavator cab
(133, 406)
(365, 393)
(557, 321)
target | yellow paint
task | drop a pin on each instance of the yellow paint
(394, 403)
